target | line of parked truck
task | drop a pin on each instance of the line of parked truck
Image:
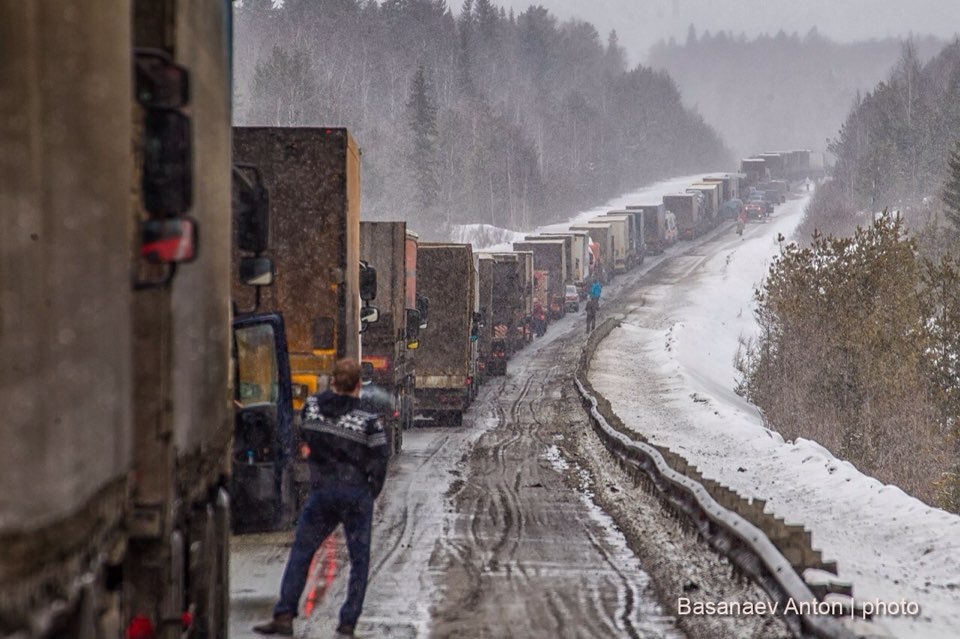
(174, 287)
(430, 321)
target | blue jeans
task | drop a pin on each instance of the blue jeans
(325, 509)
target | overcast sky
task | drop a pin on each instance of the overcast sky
(641, 23)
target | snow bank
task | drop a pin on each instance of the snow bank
(678, 363)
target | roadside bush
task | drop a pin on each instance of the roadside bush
(858, 350)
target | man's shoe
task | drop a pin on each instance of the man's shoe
(345, 630)
(279, 625)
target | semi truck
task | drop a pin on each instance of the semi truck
(550, 261)
(687, 209)
(313, 178)
(509, 304)
(579, 258)
(601, 235)
(115, 387)
(447, 357)
(711, 203)
(654, 226)
(491, 357)
(755, 170)
(390, 343)
(636, 249)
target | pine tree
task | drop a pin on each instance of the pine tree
(284, 90)
(951, 190)
(424, 149)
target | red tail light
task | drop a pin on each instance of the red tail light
(140, 627)
(469, 381)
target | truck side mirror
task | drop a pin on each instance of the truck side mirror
(256, 271)
(159, 82)
(251, 209)
(168, 241)
(167, 182)
(369, 314)
(423, 307)
(368, 282)
(413, 328)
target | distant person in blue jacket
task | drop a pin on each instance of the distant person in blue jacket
(595, 290)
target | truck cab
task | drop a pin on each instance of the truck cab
(264, 428)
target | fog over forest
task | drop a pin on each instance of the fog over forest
(778, 91)
(512, 120)
(477, 114)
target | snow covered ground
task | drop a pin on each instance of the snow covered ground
(669, 374)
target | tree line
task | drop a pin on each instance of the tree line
(859, 344)
(480, 117)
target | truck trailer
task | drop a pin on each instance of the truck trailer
(115, 387)
(389, 344)
(579, 258)
(687, 209)
(447, 357)
(654, 226)
(601, 235)
(550, 266)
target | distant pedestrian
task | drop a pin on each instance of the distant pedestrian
(592, 305)
(348, 465)
(595, 290)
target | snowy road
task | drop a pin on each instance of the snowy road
(494, 529)
(482, 530)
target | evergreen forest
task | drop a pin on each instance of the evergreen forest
(468, 116)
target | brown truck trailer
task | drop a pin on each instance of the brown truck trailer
(550, 266)
(521, 275)
(447, 357)
(313, 176)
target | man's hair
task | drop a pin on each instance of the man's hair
(346, 375)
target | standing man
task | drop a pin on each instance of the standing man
(592, 305)
(348, 465)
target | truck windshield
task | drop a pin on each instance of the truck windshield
(257, 379)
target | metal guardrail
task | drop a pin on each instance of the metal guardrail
(744, 544)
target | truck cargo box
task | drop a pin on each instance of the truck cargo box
(446, 359)
(654, 226)
(549, 260)
(686, 207)
(313, 176)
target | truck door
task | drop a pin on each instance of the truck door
(263, 491)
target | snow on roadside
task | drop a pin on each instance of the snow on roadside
(894, 548)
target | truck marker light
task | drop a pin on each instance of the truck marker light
(140, 627)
